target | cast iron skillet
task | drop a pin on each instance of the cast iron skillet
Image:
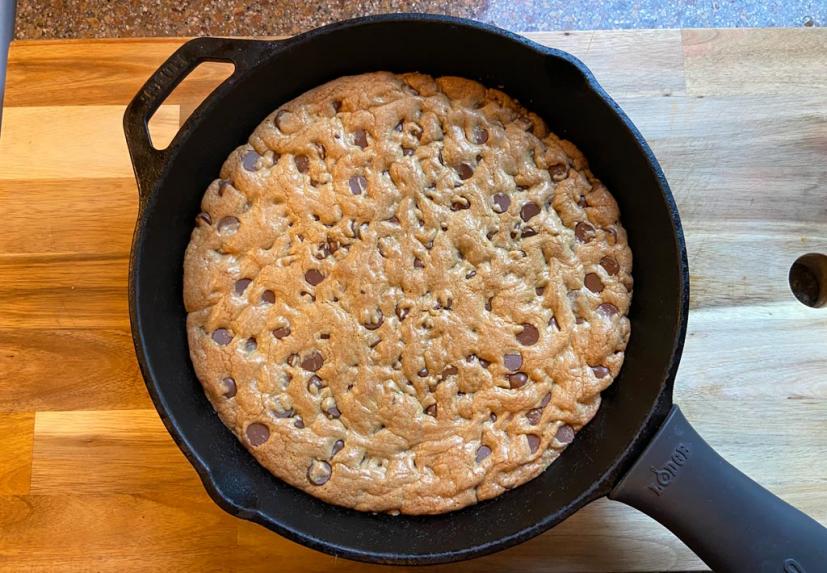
(639, 449)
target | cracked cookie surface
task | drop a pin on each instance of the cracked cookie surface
(405, 294)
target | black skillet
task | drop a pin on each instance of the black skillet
(639, 449)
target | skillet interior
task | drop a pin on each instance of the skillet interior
(563, 92)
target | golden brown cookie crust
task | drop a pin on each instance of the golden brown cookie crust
(405, 294)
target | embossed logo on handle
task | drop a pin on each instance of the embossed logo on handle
(173, 68)
(667, 473)
(793, 566)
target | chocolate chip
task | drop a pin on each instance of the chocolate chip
(528, 336)
(610, 264)
(302, 163)
(593, 283)
(484, 363)
(360, 138)
(222, 336)
(204, 218)
(358, 184)
(337, 447)
(565, 434)
(228, 225)
(465, 171)
(490, 234)
(268, 297)
(533, 442)
(471, 274)
(540, 290)
(422, 373)
(492, 417)
(250, 344)
(600, 371)
(488, 305)
(293, 359)
(257, 434)
(512, 361)
(313, 277)
(394, 220)
(480, 135)
(319, 472)
(582, 201)
(611, 235)
(241, 285)
(299, 423)
(314, 384)
(529, 210)
(482, 453)
(282, 332)
(558, 172)
(460, 204)
(313, 361)
(431, 410)
(546, 399)
(320, 150)
(517, 379)
(402, 312)
(579, 320)
(450, 371)
(534, 416)
(552, 322)
(333, 412)
(250, 160)
(229, 387)
(418, 264)
(407, 151)
(337, 105)
(607, 309)
(501, 203)
(398, 126)
(584, 232)
(528, 232)
(377, 323)
(440, 158)
(286, 413)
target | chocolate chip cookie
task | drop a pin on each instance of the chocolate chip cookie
(405, 294)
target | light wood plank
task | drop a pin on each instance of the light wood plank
(160, 531)
(17, 431)
(67, 215)
(64, 291)
(743, 61)
(70, 142)
(69, 370)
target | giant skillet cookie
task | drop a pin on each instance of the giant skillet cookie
(405, 294)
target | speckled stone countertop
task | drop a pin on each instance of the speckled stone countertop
(135, 18)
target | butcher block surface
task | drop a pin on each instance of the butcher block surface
(91, 481)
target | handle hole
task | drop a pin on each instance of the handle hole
(187, 96)
(808, 279)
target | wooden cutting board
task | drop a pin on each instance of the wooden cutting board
(89, 478)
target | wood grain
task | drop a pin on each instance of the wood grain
(89, 478)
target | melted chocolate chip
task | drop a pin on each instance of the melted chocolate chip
(282, 332)
(529, 210)
(600, 371)
(501, 203)
(484, 363)
(228, 225)
(268, 297)
(360, 138)
(450, 371)
(204, 218)
(479, 135)
(517, 379)
(533, 442)
(337, 447)
(241, 285)
(257, 434)
(488, 305)
(465, 171)
(333, 412)
(552, 322)
(250, 160)
(539, 290)
(358, 184)
(584, 232)
(314, 384)
(222, 336)
(422, 373)
(337, 105)
(460, 204)
(229, 387)
(313, 277)
(528, 232)
(482, 453)
(407, 151)
(512, 361)
(299, 423)
(610, 264)
(398, 126)
(546, 399)
(593, 283)
(313, 361)
(418, 264)
(402, 312)
(302, 163)
(565, 434)
(607, 309)
(319, 472)
(374, 325)
(431, 410)
(492, 417)
(558, 172)
(528, 336)
(250, 344)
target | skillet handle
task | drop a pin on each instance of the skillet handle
(731, 522)
(148, 162)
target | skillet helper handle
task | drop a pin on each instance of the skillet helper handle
(728, 520)
(148, 162)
